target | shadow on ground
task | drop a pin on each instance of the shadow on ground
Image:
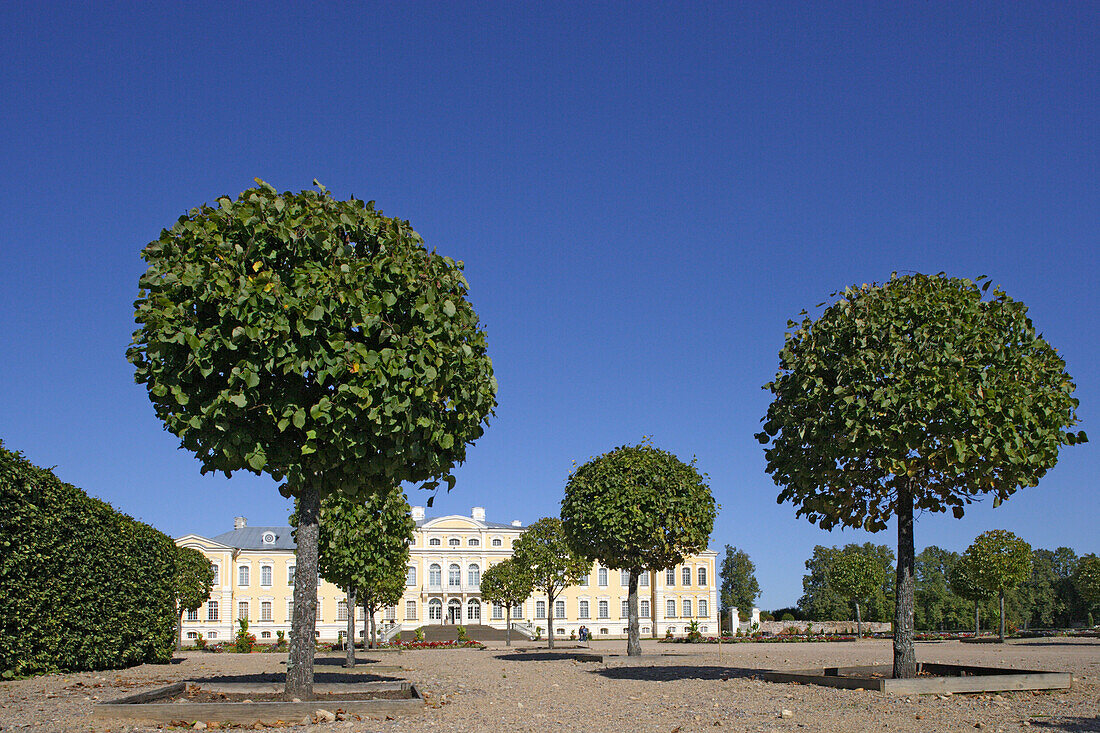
(1070, 725)
(279, 678)
(549, 656)
(665, 673)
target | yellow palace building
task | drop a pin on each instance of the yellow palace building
(254, 579)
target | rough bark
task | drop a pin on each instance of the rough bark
(653, 603)
(366, 622)
(859, 623)
(977, 620)
(549, 621)
(373, 628)
(349, 660)
(633, 643)
(905, 658)
(179, 632)
(1001, 624)
(508, 626)
(299, 665)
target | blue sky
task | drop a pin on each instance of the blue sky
(643, 194)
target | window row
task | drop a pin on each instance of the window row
(454, 575)
(267, 575)
(456, 542)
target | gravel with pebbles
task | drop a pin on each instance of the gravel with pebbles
(501, 690)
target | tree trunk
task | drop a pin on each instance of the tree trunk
(905, 658)
(508, 626)
(366, 622)
(349, 661)
(373, 628)
(633, 643)
(859, 623)
(1001, 625)
(653, 603)
(549, 621)
(179, 632)
(299, 664)
(977, 620)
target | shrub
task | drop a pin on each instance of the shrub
(200, 643)
(244, 641)
(280, 639)
(693, 635)
(461, 631)
(787, 617)
(83, 586)
(420, 634)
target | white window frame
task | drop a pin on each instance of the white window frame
(291, 568)
(473, 575)
(213, 610)
(687, 606)
(243, 605)
(473, 610)
(454, 575)
(435, 542)
(411, 605)
(702, 576)
(603, 609)
(473, 542)
(435, 575)
(497, 542)
(583, 608)
(670, 608)
(410, 575)
(244, 576)
(267, 611)
(643, 608)
(267, 575)
(702, 608)
(540, 609)
(685, 576)
(601, 577)
(559, 608)
(670, 577)
(624, 608)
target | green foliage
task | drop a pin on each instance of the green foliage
(821, 602)
(549, 559)
(200, 642)
(1087, 581)
(997, 561)
(637, 507)
(1051, 597)
(917, 386)
(937, 606)
(787, 617)
(244, 641)
(856, 575)
(194, 579)
(312, 339)
(364, 544)
(419, 633)
(83, 586)
(739, 585)
(506, 583)
(694, 636)
(280, 639)
(460, 631)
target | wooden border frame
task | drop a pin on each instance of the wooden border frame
(946, 678)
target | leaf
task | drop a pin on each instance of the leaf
(299, 418)
(238, 399)
(448, 309)
(317, 313)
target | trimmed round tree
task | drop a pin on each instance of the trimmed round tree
(363, 547)
(962, 579)
(508, 584)
(552, 564)
(856, 576)
(997, 562)
(636, 508)
(739, 585)
(194, 581)
(916, 394)
(318, 342)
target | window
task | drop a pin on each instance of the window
(517, 611)
(702, 576)
(212, 635)
(685, 573)
(266, 576)
(582, 609)
(704, 629)
(290, 575)
(289, 610)
(603, 632)
(341, 610)
(410, 610)
(473, 575)
(687, 608)
(498, 611)
(391, 613)
(435, 610)
(601, 577)
(454, 542)
(473, 610)
(703, 608)
(242, 575)
(265, 634)
(242, 610)
(670, 576)
(265, 611)
(192, 614)
(670, 608)
(584, 581)
(434, 542)
(540, 609)
(624, 610)
(604, 610)
(211, 610)
(454, 576)
(559, 609)
(497, 542)
(645, 629)
(217, 579)
(624, 578)
(643, 610)
(473, 542)
(410, 575)
(671, 629)
(192, 634)
(643, 579)
(435, 575)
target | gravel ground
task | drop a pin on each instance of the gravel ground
(498, 690)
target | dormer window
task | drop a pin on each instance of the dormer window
(454, 542)
(474, 542)
(269, 538)
(434, 542)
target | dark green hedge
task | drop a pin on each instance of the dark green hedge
(82, 586)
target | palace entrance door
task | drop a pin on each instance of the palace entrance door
(454, 611)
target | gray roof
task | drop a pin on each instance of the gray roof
(251, 538)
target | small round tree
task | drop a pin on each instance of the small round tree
(962, 578)
(856, 576)
(508, 584)
(739, 585)
(916, 394)
(316, 341)
(364, 548)
(1086, 580)
(997, 562)
(636, 508)
(194, 581)
(552, 564)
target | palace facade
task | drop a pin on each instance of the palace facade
(254, 579)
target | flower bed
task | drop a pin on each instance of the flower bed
(449, 644)
(761, 638)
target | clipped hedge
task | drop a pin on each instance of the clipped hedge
(82, 586)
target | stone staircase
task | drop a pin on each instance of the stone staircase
(449, 632)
